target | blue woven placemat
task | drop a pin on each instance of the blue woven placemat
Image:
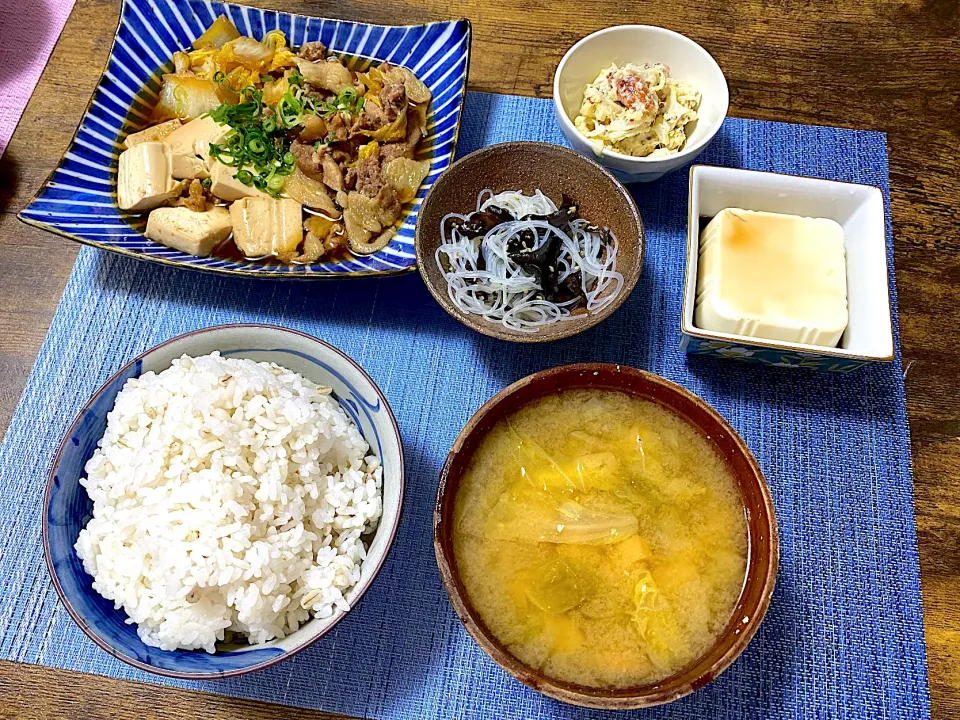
(844, 634)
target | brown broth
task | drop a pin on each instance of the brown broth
(601, 538)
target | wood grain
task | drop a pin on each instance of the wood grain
(887, 65)
(31, 692)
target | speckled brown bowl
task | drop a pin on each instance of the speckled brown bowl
(528, 166)
(763, 553)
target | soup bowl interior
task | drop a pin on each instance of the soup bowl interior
(67, 507)
(527, 167)
(762, 557)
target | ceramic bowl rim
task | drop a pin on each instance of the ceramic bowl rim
(648, 163)
(48, 492)
(664, 691)
(574, 327)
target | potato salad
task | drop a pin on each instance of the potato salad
(638, 110)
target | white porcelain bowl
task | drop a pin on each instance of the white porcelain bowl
(640, 44)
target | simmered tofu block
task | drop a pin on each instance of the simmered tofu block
(195, 137)
(181, 228)
(152, 134)
(145, 177)
(225, 186)
(266, 226)
(190, 145)
(189, 167)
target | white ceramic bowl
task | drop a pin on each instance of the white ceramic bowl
(640, 44)
(68, 508)
(857, 208)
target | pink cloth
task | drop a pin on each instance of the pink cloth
(28, 31)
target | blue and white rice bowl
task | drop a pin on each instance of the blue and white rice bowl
(67, 508)
(79, 200)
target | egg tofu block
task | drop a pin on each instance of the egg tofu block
(267, 226)
(145, 177)
(183, 229)
(772, 276)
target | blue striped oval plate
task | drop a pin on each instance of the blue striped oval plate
(78, 200)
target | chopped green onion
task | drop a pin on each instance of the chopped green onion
(289, 110)
(258, 143)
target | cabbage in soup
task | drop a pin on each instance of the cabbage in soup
(601, 538)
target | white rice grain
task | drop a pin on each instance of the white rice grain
(228, 495)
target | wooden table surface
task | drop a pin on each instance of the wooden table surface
(889, 65)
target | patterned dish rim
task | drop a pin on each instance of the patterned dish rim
(286, 654)
(24, 217)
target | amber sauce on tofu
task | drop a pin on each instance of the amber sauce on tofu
(228, 250)
(601, 538)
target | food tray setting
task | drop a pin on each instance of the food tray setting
(533, 480)
(850, 497)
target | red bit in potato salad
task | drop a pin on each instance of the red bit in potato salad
(638, 110)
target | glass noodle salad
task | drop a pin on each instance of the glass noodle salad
(638, 110)
(521, 261)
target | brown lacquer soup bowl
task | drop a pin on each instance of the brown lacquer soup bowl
(762, 546)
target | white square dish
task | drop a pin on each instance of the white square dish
(859, 211)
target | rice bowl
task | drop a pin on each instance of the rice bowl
(69, 508)
(229, 497)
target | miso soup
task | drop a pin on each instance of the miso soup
(601, 538)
